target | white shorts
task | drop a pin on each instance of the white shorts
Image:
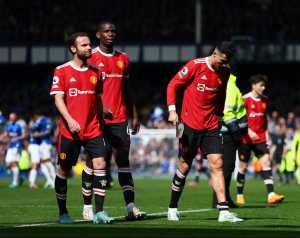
(13, 155)
(34, 151)
(45, 151)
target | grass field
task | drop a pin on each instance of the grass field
(24, 206)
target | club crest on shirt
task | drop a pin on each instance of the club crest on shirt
(62, 156)
(93, 79)
(264, 105)
(252, 106)
(120, 64)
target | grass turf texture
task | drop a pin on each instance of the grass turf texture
(27, 206)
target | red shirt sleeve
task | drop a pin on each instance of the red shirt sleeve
(58, 82)
(185, 75)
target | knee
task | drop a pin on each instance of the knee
(216, 164)
(99, 163)
(184, 167)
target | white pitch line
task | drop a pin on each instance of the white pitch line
(118, 218)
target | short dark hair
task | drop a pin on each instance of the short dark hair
(225, 47)
(103, 22)
(72, 39)
(257, 78)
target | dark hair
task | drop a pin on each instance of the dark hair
(225, 47)
(103, 22)
(72, 39)
(257, 78)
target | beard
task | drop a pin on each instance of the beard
(84, 55)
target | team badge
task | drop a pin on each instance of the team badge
(264, 105)
(242, 157)
(120, 64)
(62, 156)
(252, 106)
(93, 79)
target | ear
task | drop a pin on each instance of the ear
(98, 35)
(73, 49)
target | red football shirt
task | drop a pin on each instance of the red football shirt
(80, 87)
(115, 70)
(204, 94)
(257, 120)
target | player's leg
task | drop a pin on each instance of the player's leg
(34, 152)
(228, 168)
(87, 178)
(188, 145)
(12, 158)
(244, 152)
(211, 145)
(96, 149)
(120, 141)
(262, 152)
(47, 166)
(68, 152)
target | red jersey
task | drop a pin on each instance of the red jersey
(115, 70)
(257, 120)
(80, 87)
(204, 94)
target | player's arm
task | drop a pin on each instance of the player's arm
(130, 102)
(62, 108)
(182, 78)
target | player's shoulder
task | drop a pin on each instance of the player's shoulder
(264, 97)
(198, 62)
(122, 54)
(247, 96)
(63, 66)
(93, 67)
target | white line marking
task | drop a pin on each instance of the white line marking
(118, 218)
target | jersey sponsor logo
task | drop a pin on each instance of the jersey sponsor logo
(120, 64)
(73, 92)
(93, 79)
(73, 79)
(202, 88)
(256, 114)
(55, 80)
(183, 72)
(62, 156)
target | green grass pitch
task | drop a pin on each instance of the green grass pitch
(24, 206)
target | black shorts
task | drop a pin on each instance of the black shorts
(259, 150)
(117, 135)
(209, 142)
(69, 150)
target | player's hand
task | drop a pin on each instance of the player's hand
(36, 134)
(173, 117)
(73, 125)
(107, 113)
(252, 134)
(135, 125)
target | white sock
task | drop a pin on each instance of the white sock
(15, 174)
(32, 176)
(46, 173)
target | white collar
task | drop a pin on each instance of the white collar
(106, 54)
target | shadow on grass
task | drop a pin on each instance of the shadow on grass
(119, 232)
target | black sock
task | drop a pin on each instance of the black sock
(126, 182)
(99, 185)
(87, 185)
(268, 180)
(240, 183)
(177, 187)
(61, 193)
(223, 206)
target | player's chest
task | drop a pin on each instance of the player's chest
(82, 80)
(207, 82)
(112, 67)
(257, 106)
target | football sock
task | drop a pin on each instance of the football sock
(61, 193)
(87, 185)
(177, 187)
(240, 183)
(99, 185)
(126, 182)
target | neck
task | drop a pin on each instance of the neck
(256, 95)
(106, 49)
(209, 61)
(79, 62)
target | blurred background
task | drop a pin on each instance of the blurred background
(159, 36)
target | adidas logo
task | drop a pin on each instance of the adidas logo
(204, 77)
(73, 80)
(101, 64)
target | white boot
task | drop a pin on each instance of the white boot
(173, 214)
